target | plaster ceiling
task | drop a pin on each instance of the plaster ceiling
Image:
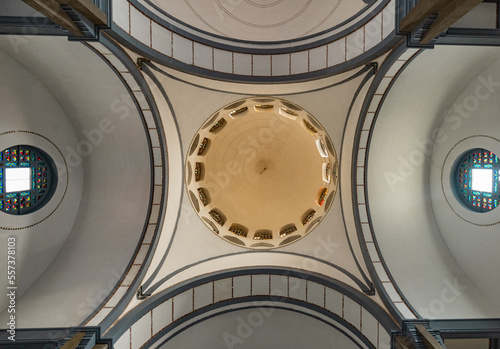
(326, 250)
(409, 236)
(261, 328)
(261, 20)
(97, 249)
(420, 243)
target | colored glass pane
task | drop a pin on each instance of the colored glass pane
(476, 180)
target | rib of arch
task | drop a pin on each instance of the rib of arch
(284, 290)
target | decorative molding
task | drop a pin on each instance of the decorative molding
(311, 292)
(170, 47)
(121, 63)
(399, 307)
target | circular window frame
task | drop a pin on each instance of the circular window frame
(43, 179)
(461, 181)
(446, 181)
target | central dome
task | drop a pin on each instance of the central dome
(260, 171)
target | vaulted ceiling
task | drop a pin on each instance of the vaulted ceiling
(126, 244)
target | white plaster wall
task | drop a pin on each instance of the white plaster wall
(28, 106)
(473, 238)
(260, 328)
(404, 222)
(111, 148)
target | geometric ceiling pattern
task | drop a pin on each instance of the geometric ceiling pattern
(248, 174)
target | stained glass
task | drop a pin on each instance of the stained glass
(42, 184)
(480, 201)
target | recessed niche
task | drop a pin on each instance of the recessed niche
(334, 176)
(289, 240)
(217, 216)
(313, 121)
(238, 229)
(310, 128)
(210, 121)
(329, 201)
(203, 195)
(238, 112)
(194, 201)
(287, 230)
(203, 148)
(211, 224)
(234, 105)
(291, 105)
(320, 200)
(308, 216)
(320, 144)
(329, 145)
(263, 100)
(262, 245)
(287, 113)
(218, 126)
(198, 171)
(313, 224)
(194, 145)
(263, 234)
(190, 172)
(234, 240)
(327, 172)
(263, 107)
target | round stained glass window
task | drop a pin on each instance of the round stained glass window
(28, 179)
(477, 180)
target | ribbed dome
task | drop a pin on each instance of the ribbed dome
(260, 171)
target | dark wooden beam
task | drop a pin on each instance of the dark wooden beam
(73, 342)
(447, 16)
(100, 346)
(52, 10)
(429, 340)
(422, 10)
(403, 343)
(87, 9)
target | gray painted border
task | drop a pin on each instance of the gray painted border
(373, 70)
(148, 288)
(172, 327)
(146, 284)
(128, 41)
(124, 59)
(133, 316)
(353, 76)
(153, 288)
(378, 284)
(294, 43)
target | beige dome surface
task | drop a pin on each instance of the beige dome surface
(261, 173)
